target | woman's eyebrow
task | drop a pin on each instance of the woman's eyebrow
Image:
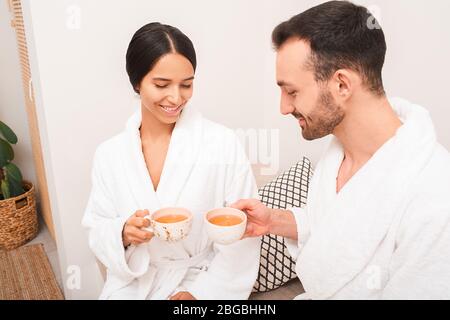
(162, 79)
(168, 80)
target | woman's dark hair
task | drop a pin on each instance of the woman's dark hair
(341, 35)
(149, 44)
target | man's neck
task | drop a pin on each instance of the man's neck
(369, 123)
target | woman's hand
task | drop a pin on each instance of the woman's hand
(259, 217)
(133, 232)
(182, 295)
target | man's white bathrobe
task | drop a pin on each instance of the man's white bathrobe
(205, 168)
(386, 235)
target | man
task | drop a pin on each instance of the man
(377, 221)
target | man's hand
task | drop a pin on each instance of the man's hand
(182, 295)
(259, 217)
(262, 220)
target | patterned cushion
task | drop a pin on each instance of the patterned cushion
(288, 190)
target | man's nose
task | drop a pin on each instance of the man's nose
(286, 107)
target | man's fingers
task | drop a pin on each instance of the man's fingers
(244, 204)
(248, 231)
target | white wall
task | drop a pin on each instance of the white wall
(417, 62)
(84, 97)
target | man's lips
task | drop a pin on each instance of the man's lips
(300, 118)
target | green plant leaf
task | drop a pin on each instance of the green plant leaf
(6, 153)
(9, 135)
(13, 172)
(5, 189)
(15, 188)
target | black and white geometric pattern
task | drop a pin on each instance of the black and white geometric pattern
(288, 190)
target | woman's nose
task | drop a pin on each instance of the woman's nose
(175, 97)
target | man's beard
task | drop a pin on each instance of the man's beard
(326, 115)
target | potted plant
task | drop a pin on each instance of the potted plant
(18, 216)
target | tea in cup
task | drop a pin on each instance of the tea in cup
(225, 225)
(170, 224)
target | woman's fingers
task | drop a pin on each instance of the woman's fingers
(138, 219)
(142, 234)
(132, 232)
(141, 213)
(139, 222)
(135, 241)
(176, 296)
(137, 233)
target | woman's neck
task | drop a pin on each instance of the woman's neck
(152, 129)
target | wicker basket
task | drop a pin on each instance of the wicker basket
(18, 219)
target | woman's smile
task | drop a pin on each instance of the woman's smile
(172, 110)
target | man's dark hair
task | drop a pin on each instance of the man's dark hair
(149, 44)
(341, 35)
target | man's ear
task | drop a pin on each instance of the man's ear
(343, 83)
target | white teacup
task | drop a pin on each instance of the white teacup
(225, 225)
(170, 224)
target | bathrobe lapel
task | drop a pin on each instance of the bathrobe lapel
(181, 157)
(348, 227)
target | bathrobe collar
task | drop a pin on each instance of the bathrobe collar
(349, 226)
(181, 157)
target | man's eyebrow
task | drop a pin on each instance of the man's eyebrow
(168, 80)
(282, 83)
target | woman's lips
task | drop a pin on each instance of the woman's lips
(172, 111)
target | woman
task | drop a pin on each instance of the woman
(168, 155)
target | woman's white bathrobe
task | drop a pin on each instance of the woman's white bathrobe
(205, 168)
(386, 235)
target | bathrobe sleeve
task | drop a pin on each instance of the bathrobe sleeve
(105, 225)
(233, 271)
(420, 267)
(303, 232)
